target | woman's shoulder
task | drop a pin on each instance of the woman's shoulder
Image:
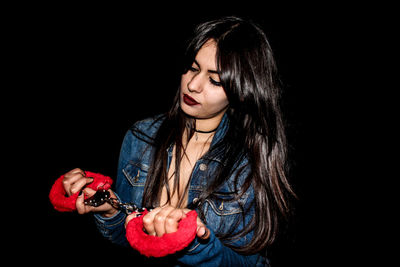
(147, 128)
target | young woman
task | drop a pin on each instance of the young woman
(221, 150)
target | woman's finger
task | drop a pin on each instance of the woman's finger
(160, 220)
(72, 177)
(80, 205)
(172, 220)
(105, 209)
(148, 221)
(79, 184)
(203, 232)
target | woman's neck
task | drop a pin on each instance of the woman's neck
(204, 129)
(208, 125)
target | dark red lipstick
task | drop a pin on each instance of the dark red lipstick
(189, 100)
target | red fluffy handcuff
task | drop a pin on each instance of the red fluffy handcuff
(150, 246)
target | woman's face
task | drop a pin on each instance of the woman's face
(202, 95)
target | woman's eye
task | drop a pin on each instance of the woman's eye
(214, 82)
(193, 69)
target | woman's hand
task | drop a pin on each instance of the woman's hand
(165, 220)
(75, 181)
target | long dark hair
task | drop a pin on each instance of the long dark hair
(249, 77)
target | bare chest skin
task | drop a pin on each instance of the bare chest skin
(195, 149)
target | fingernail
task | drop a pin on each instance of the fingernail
(206, 233)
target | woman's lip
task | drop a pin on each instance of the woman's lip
(189, 100)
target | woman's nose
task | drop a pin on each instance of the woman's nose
(195, 84)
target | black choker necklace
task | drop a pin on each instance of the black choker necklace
(205, 132)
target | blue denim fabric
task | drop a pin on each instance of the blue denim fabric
(135, 159)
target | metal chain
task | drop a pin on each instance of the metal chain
(102, 196)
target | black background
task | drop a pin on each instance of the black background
(80, 76)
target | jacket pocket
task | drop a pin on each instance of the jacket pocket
(223, 215)
(224, 205)
(136, 173)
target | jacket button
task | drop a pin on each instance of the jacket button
(203, 167)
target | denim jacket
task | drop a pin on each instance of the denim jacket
(135, 159)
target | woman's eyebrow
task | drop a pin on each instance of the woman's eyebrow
(210, 71)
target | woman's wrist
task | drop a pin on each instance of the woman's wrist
(110, 213)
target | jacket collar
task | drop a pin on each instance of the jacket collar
(216, 152)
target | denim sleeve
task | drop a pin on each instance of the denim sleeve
(212, 252)
(112, 228)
